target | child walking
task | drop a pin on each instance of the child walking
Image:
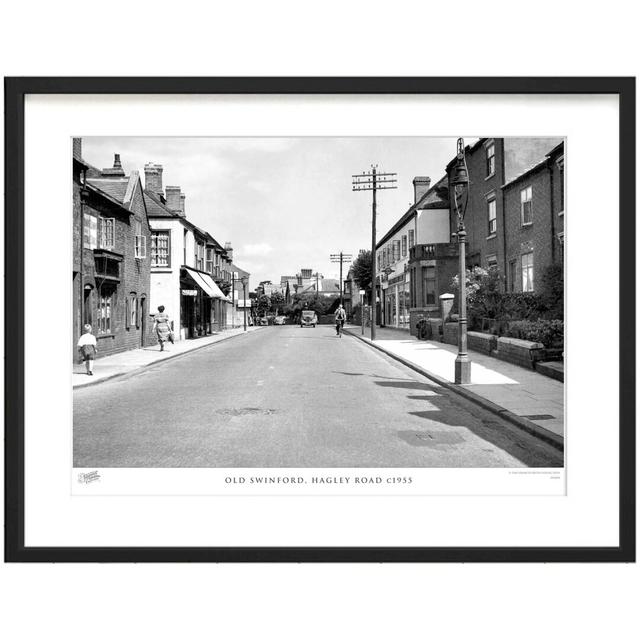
(88, 347)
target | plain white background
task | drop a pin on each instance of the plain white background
(333, 601)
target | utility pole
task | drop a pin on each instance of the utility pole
(341, 257)
(372, 181)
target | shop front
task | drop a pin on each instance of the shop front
(199, 297)
(397, 302)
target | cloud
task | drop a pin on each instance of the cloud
(259, 249)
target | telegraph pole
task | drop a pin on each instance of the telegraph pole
(341, 257)
(372, 181)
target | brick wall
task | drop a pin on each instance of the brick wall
(480, 243)
(133, 275)
(538, 237)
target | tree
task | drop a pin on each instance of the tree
(263, 304)
(361, 269)
(277, 301)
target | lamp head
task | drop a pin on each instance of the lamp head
(460, 174)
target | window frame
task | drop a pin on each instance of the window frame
(492, 228)
(155, 233)
(490, 160)
(104, 222)
(404, 246)
(528, 188)
(528, 269)
(104, 313)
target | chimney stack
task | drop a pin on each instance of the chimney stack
(229, 249)
(153, 178)
(172, 195)
(77, 148)
(421, 185)
(116, 171)
(182, 199)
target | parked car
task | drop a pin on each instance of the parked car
(264, 322)
(308, 319)
(280, 320)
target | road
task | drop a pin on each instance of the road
(286, 396)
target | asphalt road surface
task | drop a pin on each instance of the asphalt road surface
(287, 396)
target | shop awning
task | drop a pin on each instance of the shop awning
(206, 283)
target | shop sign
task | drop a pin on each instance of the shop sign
(189, 292)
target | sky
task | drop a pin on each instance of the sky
(283, 203)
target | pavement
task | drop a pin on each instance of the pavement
(527, 398)
(286, 396)
(131, 361)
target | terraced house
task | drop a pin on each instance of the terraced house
(111, 237)
(191, 273)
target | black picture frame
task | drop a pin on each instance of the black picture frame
(15, 91)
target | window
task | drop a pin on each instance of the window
(141, 242)
(527, 271)
(199, 256)
(492, 261)
(412, 238)
(493, 225)
(491, 159)
(107, 233)
(379, 260)
(429, 285)
(131, 311)
(404, 246)
(209, 261)
(90, 232)
(160, 256)
(525, 206)
(105, 301)
(396, 250)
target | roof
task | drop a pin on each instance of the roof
(116, 188)
(240, 272)
(540, 164)
(438, 203)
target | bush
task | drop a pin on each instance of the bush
(549, 332)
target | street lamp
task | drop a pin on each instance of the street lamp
(244, 281)
(362, 292)
(460, 184)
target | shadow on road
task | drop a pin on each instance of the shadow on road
(453, 411)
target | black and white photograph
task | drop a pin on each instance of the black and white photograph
(373, 303)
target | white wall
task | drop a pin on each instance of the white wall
(165, 283)
(433, 226)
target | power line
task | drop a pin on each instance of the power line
(341, 257)
(373, 181)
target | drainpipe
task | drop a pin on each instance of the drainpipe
(83, 196)
(504, 224)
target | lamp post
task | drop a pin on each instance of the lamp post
(244, 299)
(362, 292)
(460, 184)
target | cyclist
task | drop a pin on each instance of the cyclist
(340, 316)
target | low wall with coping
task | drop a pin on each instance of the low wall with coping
(484, 342)
(520, 352)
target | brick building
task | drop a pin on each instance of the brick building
(514, 220)
(534, 221)
(111, 236)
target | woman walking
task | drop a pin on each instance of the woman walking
(88, 347)
(162, 327)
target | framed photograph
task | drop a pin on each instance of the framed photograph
(320, 319)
